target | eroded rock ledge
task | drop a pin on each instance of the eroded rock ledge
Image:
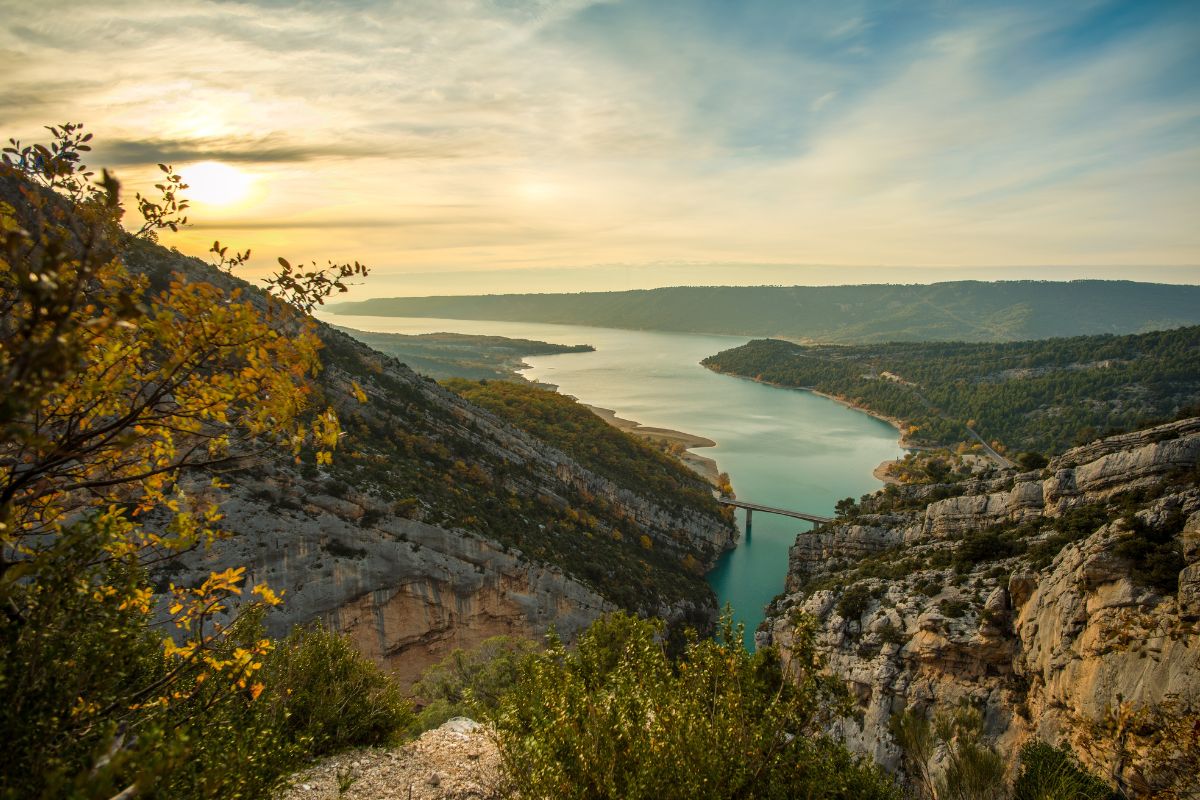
(1022, 595)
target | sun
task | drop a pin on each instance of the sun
(215, 184)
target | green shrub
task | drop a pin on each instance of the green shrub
(470, 682)
(984, 546)
(854, 602)
(1032, 460)
(67, 652)
(929, 587)
(974, 771)
(914, 736)
(617, 718)
(890, 634)
(327, 695)
(1049, 773)
(953, 609)
(1154, 552)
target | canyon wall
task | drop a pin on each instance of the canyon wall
(1064, 604)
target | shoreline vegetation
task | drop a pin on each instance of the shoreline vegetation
(1037, 396)
(701, 465)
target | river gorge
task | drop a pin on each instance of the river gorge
(782, 448)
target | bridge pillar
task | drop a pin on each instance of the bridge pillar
(749, 516)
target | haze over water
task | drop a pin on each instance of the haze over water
(782, 448)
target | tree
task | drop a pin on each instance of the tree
(113, 390)
(846, 507)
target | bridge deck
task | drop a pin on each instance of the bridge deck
(770, 510)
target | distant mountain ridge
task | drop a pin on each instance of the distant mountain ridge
(971, 311)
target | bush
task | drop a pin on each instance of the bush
(617, 718)
(329, 696)
(69, 652)
(973, 771)
(984, 546)
(1154, 552)
(1032, 460)
(1049, 773)
(470, 683)
(854, 602)
(953, 609)
(890, 634)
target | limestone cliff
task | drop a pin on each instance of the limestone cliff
(406, 591)
(1064, 604)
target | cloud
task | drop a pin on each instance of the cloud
(473, 133)
(268, 149)
(272, 149)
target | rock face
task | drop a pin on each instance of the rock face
(407, 592)
(1059, 603)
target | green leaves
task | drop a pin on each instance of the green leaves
(616, 717)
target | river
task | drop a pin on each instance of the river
(783, 448)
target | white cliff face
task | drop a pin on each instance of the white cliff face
(406, 592)
(1048, 647)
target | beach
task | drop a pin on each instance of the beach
(702, 465)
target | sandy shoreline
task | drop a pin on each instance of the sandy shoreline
(702, 465)
(881, 472)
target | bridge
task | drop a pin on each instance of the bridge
(752, 507)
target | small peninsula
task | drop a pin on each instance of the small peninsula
(461, 355)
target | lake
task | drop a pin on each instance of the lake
(781, 447)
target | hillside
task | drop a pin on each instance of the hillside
(233, 536)
(439, 524)
(599, 446)
(971, 311)
(1038, 396)
(1061, 604)
(460, 355)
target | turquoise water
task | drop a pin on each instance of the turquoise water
(782, 448)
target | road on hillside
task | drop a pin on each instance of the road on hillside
(999, 459)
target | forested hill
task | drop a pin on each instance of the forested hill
(460, 355)
(1037, 395)
(971, 311)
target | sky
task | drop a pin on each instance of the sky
(472, 146)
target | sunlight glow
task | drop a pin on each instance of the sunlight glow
(216, 184)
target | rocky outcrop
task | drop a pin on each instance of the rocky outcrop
(457, 761)
(1039, 598)
(1090, 639)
